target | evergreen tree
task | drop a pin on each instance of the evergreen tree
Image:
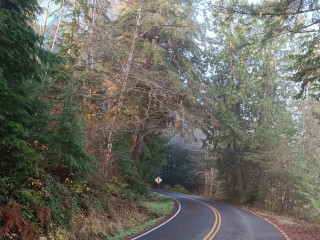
(70, 156)
(21, 71)
(245, 100)
(296, 19)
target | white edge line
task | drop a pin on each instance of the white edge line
(162, 223)
(273, 224)
(207, 205)
(247, 210)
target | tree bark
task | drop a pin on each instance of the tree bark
(125, 77)
(89, 65)
(72, 37)
(137, 147)
(238, 166)
(43, 30)
(58, 25)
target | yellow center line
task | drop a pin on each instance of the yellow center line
(215, 223)
(215, 229)
(219, 224)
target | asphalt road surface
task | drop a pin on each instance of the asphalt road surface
(203, 219)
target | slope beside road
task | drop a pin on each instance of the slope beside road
(203, 219)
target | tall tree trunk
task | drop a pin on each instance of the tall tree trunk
(58, 25)
(41, 21)
(137, 146)
(235, 107)
(269, 71)
(125, 77)
(265, 84)
(72, 37)
(238, 167)
(44, 27)
(231, 60)
(89, 61)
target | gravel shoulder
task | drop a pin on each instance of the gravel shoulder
(294, 229)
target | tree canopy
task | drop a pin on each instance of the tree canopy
(97, 98)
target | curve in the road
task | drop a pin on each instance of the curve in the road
(217, 223)
(193, 221)
(155, 228)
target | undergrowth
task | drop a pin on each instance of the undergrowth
(159, 205)
(176, 188)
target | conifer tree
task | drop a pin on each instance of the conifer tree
(70, 156)
(21, 70)
(245, 102)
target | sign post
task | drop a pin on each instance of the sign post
(158, 180)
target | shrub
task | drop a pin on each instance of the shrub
(13, 222)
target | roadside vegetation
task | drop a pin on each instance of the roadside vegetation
(160, 205)
(176, 188)
(122, 218)
(219, 98)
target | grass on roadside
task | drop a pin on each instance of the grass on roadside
(157, 203)
(283, 220)
(176, 188)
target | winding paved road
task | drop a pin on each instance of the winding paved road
(203, 219)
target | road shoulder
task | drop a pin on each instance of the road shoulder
(152, 224)
(292, 229)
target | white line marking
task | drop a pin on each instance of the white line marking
(162, 223)
(192, 198)
(207, 205)
(273, 224)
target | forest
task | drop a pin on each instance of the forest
(98, 97)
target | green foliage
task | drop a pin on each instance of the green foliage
(303, 173)
(122, 154)
(22, 67)
(181, 168)
(62, 201)
(19, 42)
(24, 194)
(173, 171)
(5, 188)
(115, 186)
(305, 68)
(16, 118)
(177, 188)
(153, 155)
(160, 205)
(233, 78)
(259, 144)
(69, 141)
(19, 107)
(30, 139)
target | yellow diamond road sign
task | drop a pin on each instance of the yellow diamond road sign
(158, 180)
